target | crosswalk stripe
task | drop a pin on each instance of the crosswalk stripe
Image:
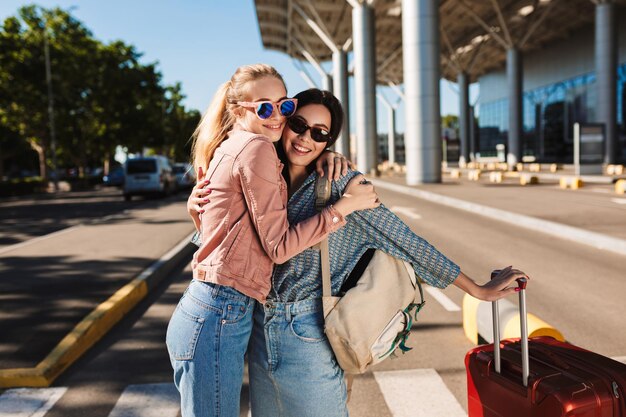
(29, 402)
(443, 299)
(417, 393)
(148, 400)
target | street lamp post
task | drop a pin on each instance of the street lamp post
(53, 141)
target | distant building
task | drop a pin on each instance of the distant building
(559, 89)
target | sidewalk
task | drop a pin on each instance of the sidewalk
(595, 208)
(51, 284)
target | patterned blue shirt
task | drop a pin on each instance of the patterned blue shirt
(300, 277)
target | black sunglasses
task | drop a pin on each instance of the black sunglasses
(299, 126)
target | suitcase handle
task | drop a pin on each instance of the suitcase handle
(521, 283)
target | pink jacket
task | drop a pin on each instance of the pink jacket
(244, 228)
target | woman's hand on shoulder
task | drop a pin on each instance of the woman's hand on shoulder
(359, 194)
(198, 198)
(337, 164)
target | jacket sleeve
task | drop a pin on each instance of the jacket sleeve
(258, 169)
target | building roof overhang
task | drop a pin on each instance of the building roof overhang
(474, 34)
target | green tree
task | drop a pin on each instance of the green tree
(450, 121)
(103, 95)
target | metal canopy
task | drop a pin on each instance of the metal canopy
(474, 34)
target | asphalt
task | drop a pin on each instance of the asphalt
(48, 284)
(51, 283)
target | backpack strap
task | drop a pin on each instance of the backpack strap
(322, 195)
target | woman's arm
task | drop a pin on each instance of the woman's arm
(495, 289)
(382, 229)
(257, 170)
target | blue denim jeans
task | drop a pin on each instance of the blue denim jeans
(207, 339)
(293, 371)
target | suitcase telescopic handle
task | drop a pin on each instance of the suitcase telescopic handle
(521, 283)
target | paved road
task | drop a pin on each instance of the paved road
(23, 218)
(49, 284)
(578, 289)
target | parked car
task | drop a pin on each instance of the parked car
(115, 177)
(185, 177)
(148, 175)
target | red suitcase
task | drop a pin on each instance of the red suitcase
(542, 377)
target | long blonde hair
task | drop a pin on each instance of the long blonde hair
(220, 117)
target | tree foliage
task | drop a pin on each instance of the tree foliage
(103, 95)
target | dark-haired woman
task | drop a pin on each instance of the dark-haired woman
(293, 371)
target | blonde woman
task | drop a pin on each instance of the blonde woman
(243, 234)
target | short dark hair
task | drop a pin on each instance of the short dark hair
(328, 100)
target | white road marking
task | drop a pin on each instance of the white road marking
(621, 359)
(29, 402)
(417, 393)
(407, 211)
(585, 237)
(148, 400)
(619, 200)
(443, 299)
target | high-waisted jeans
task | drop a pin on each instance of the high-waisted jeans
(207, 339)
(293, 371)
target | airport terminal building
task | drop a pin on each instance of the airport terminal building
(559, 89)
(542, 66)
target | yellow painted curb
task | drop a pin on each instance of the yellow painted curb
(84, 335)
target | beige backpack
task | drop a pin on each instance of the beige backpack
(373, 318)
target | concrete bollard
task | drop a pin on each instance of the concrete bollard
(474, 175)
(571, 182)
(614, 169)
(495, 177)
(478, 321)
(554, 167)
(527, 179)
(534, 168)
(519, 167)
(620, 187)
(455, 173)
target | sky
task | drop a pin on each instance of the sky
(200, 43)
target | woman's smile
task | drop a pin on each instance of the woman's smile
(300, 149)
(277, 127)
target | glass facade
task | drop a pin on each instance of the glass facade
(549, 114)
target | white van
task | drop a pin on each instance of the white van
(148, 175)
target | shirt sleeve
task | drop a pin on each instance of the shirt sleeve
(258, 169)
(383, 230)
